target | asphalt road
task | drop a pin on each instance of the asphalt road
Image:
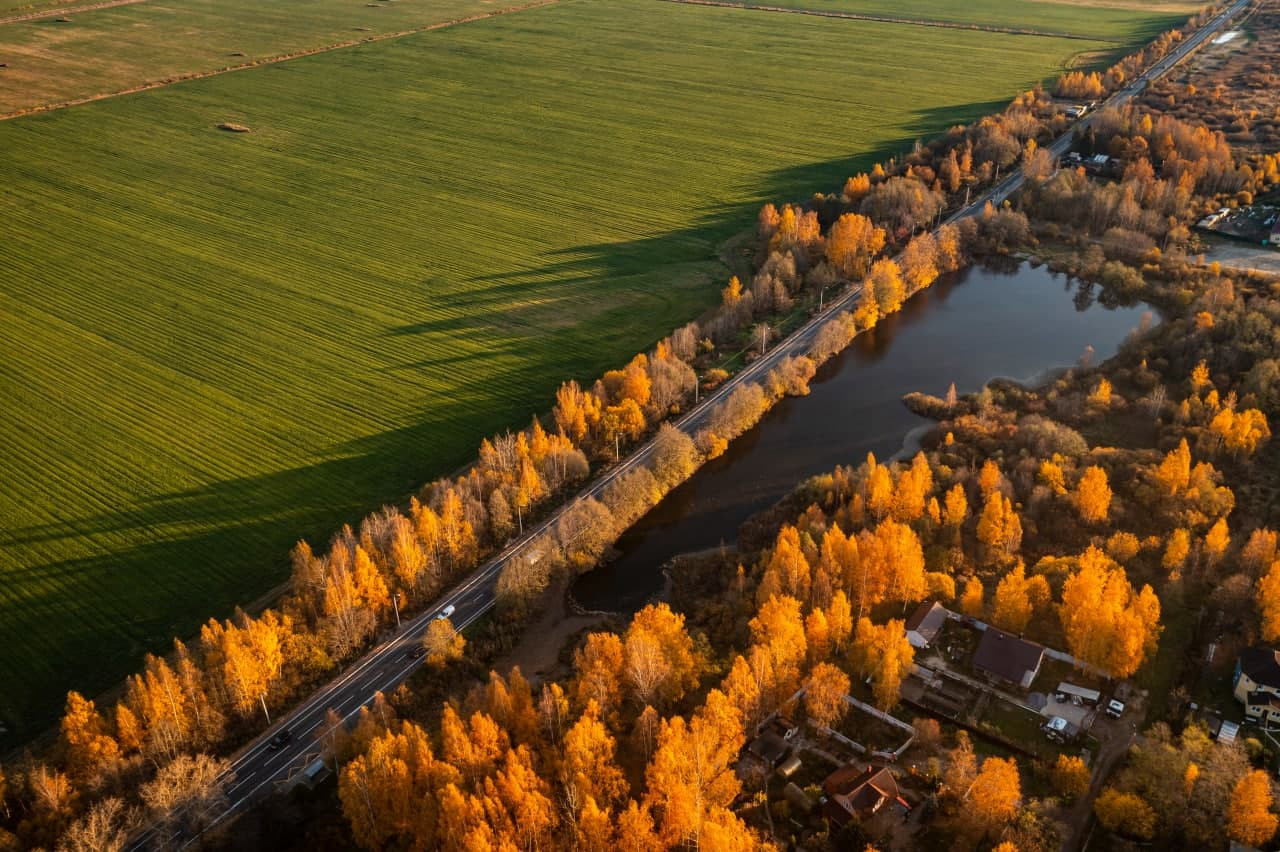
(257, 771)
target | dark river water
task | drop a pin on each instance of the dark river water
(977, 325)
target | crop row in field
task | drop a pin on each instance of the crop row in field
(219, 342)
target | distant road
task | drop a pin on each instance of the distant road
(257, 770)
(1062, 144)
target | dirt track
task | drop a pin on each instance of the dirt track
(65, 10)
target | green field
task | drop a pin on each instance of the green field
(1122, 21)
(110, 50)
(216, 343)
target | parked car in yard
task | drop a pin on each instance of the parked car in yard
(1060, 730)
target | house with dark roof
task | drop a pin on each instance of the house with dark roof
(1257, 683)
(854, 793)
(770, 748)
(1003, 656)
(925, 623)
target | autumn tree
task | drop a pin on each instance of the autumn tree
(187, 791)
(388, 792)
(247, 655)
(576, 411)
(348, 622)
(167, 710)
(894, 551)
(824, 695)
(1259, 552)
(971, 601)
(674, 458)
(105, 827)
(89, 746)
(1174, 473)
(1100, 396)
(989, 478)
(1240, 432)
(518, 804)
(636, 832)
(1093, 495)
(817, 635)
(920, 262)
(589, 769)
(1125, 813)
(1051, 476)
(1176, 550)
(852, 242)
(999, 528)
(1012, 608)
(1268, 600)
(956, 506)
(474, 746)
(661, 663)
(1216, 541)
(960, 768)
(787, 572)
(1107, 623)
(630, 383)
(599, 666)
(593, 828)
(1249, 817)
(778, 631)
(928, 733)
(442, 642)
(884, 281)
(691, 781)
(993, 797)
(883, 654)
(839, 617)
(879, 488)
(1070, 776)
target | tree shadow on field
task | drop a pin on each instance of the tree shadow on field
(600, 262)
(164, 564)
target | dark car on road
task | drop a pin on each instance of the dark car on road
(280, 740)
(415, 651)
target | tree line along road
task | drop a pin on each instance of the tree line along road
(257, 769)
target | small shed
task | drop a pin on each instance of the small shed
(790, 766)
(798, 799)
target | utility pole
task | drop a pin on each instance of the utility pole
(617, 447)
(764, 331)
(395, 601)
(263, 698)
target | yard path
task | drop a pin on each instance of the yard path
(889, 19)
(254, 63)
(1112, 752)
